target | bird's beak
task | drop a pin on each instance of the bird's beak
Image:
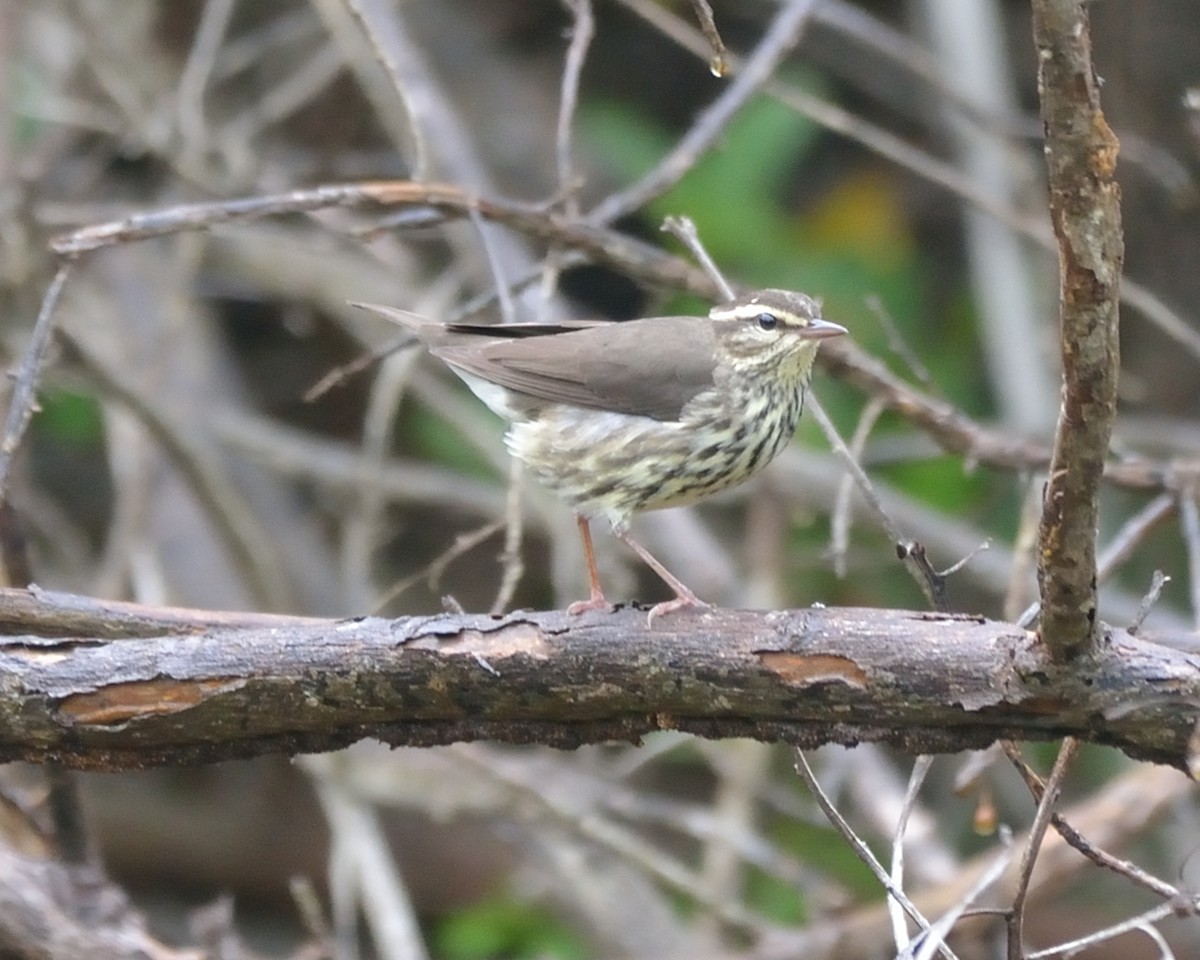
(818, 329)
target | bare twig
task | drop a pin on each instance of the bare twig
(1037, 832)
(582, 31)
(384, 32)
(1072, 836)
(1132, 534)
(841, 514)
(900, 347)
(361, 530)
(1023, 550)
(21, 402)
(912, 558)
(941, 927)
(196, 72)
(1157, 581)
(432, 572)
(1139, 922)
(719, 63)
(254, 551)
(684, 230)
(781, 36)
(962, 561)
(1189, 517)
(363, 871)
(560, 807)
(861, 850)
(919, 771)
(514, 532)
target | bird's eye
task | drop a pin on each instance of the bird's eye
(767, 321)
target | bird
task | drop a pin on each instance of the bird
(620, 416)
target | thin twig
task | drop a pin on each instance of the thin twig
(1139, 922)
(254, 551)
(937, 933)
(683, 228)
(719, 64)
(1189, 521)
(364, 522)
(780, 37)
(1037, 832)
(1020, 574)
(345, 371)
(966, 558)
(384, 35)
(21, 402)
(214, 21)
(513, 566)
(1158, 580)
(917, 777)
(582, 819)
(904, 546)
(508, 310)
(582, 31)
(842, 514)
(361, 859)
(861, 850)
(1101, 858)
(900, 347)
(1132, 534)
(432, 572)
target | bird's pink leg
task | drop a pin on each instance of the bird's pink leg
(684, 597)
(596, 601)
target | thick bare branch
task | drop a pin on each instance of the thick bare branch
(923, 682)
(1081, 153)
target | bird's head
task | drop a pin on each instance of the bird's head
(767, 328)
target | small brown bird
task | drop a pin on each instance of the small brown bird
(620, 416)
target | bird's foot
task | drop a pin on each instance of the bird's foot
(684, 601)
(595, 602)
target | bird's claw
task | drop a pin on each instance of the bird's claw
(682, 602)
(594, 602)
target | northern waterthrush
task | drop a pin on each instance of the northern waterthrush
(620, 416)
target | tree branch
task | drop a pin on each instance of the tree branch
(923, 682)
(1081, 153)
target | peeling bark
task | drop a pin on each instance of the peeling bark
(922, 682)
(1085, 207)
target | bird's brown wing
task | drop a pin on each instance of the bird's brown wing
(650, 367)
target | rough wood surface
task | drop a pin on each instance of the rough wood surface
(1085, 205)
(922, 682)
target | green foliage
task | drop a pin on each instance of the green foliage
(776, 899)
(851, 242)
(70, 417)
(829, 854)
(29, 99)
(732, 193)
(503, 928)
(941, 481)
(430, 435)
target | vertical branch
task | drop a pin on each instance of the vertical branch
(1081, 153)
